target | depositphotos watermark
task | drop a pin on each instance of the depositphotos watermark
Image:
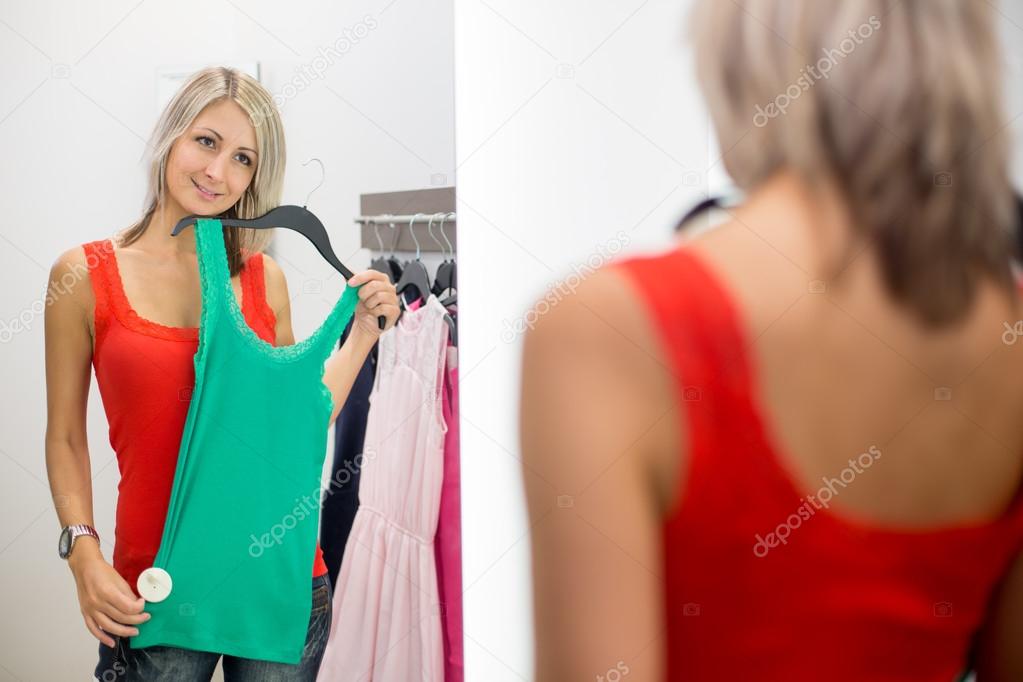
(618, 672)
(1012, 332)
(812, 503)
(557, 291)
(326, 57)
(305, 506)
(811, 73)
(54, 289)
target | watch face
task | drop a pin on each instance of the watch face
(64, 546)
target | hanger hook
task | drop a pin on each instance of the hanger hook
(376, 231)
(397, 233)
(429, 229)
(413, 233)
(323, 176)
(443, 218)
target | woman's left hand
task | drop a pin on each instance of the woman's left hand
(376, 297)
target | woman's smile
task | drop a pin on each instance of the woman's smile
(204, 193)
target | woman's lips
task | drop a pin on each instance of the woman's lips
(209, 196)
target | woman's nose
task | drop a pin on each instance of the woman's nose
(215, 169)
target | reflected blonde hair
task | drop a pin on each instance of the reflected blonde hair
(264, 192)
(904, 122)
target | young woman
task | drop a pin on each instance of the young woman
(790, 447)
(132, 311)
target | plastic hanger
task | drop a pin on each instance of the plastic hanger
(415, 273)
(1019, 223)
(292, 217)
(445, 278)
(392, 261)
(718, 201)
(452, 284)
(380, 262)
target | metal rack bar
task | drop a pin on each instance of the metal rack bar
(422, 218)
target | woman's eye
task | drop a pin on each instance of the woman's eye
(202, 139)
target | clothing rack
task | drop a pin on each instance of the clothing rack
(378, 211)
(424, 218)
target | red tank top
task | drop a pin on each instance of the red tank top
(145, 374)
(839, 599)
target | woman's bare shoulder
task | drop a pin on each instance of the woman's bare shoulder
(601, 330)
(70, 268)
(276, 282)
(69, 294)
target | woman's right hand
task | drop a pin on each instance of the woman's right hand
(106, 601)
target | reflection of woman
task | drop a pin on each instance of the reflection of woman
(788, 449)
(217, 150)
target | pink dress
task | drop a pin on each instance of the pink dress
(449, 531)
(386, 624)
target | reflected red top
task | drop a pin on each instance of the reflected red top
(145, 374)
(838, 599)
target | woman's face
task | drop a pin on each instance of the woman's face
(213, 162)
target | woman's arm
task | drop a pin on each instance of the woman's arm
(105, 598)
(999, 654)
(595, 420)
(376, 297)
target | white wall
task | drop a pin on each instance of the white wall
(1011, 31)
(78, 103)
(577, 129)
(593, 126)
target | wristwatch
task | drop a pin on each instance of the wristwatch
(68, 535)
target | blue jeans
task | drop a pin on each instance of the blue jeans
(121, 663)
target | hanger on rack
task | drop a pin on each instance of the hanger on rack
(445, 278)
(415, 273)
(447, 272)
(392, 261)
(292, 217)
(416, 276)
(380, 263)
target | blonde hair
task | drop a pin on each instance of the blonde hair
(897, 103)
(264, 192)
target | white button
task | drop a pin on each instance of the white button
(154, 584)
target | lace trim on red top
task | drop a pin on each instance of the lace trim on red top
(254, 291)
(108, 289)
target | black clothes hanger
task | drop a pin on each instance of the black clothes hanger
(446, 271)
(1019, 225)
(416, 276)
(292, 217)
(445, 280)
(415, 273)
(720, 201)
(380, 263)
(393, 264)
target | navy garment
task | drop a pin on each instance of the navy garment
(341, 497)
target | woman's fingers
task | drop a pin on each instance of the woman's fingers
(380, 298)
(96, 632)
(376, 287)
(389, 310)
(114, 628)
(119, 616)
(367, 276)
(123, 599)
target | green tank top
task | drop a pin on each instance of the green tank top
(232, 572)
